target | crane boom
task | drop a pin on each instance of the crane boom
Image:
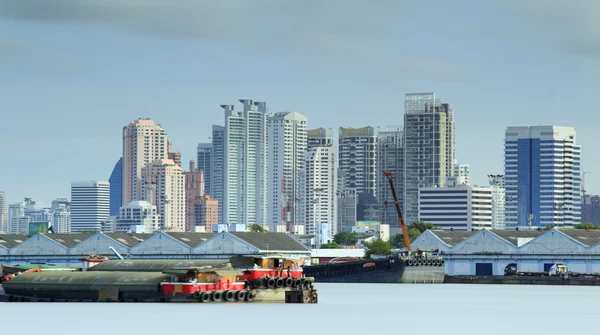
(397, 204)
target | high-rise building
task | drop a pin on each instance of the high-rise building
(61, 216)
(217, 167)
(174, 155)
(116, 188)
(143, 142)
(428, 147)
(137, 216)
(206, 213)
(286, 133)
(244, 198)
(3, 213)
(458, 207)
(90, 204)
(462, 172)
(320, 191)
(320, 137)
(591, 209)
(390, 158)
(194, 188)
(204, 153)
(498, 200)
(18, 223)
(358, 158)
(347, 204)
(164, 187)
(542, 177)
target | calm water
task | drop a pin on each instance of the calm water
(342, 309)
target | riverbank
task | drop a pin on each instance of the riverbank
(529, 280)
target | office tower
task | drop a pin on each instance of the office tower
(61, 216)
(347, 204)
(542, 177)
(90, 205)
(244, 167)
(590, 212)
(194, 188)
(456, 206)
(428, 147)
(320, 191)
(116, 188)
(390, 158)
(204, 154)
(143, 142)
(174, 155)
(319, 137)
(357, 158)
(286, 133)
(498, 200)
(217, 167)
(163, 185)
(3, 213)
(206, 213)
(137, 217)
(462, 172)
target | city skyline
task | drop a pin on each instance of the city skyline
(503, 65)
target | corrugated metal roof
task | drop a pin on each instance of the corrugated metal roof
(587, 237)
(86, 281)
(513, 236)
(11, 241)
(191, 239)
(157, 265)
(452, 237)
(129, 239)
(271, 241)
(68, 240)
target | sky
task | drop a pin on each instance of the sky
(73, 73)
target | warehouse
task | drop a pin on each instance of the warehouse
(487, 252)
(69, 249)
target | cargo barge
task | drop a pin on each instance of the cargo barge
(165, 281)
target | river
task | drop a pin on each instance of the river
(342, 309)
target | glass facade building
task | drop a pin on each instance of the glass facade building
(116, 188)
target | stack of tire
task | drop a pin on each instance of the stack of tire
(225, 296)
(271, 282)
(425, 262)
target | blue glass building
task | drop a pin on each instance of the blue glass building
(542, 177)
(116, 188)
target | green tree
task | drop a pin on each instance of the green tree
(377, 247)
(586, 226)
(257, 228)
(422, 226)
(330, 245)
(346, 238)
(413, 233)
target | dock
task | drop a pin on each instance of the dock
(523, 280)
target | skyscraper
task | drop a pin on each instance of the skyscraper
(542, 177)
(116, 188)
(18, 223)
(357, 158)
(3, 213)
(286, 133)
(194, 188)
(143, 142)
(217, 167)
(462, 172)
(320, 190)
(244, 164)
(204, 153)
(90, 204)
(163, 184)
(319, 137)
(498, 200)
(428, 147)
(390, 158)
(61, 216)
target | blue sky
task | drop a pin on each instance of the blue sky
(72, 73)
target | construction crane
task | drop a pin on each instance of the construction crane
(404, 232)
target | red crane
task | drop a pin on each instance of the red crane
(404, 232)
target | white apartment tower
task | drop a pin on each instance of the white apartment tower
(217, 167)
(498, 200)
(137, 214)
(286, 133)
(462, 172)
(163, 184)
(244, 171)
(18, 223)
(61, 216)
(143, 142)
(320, 137)
(428, 147)
(3, 213)
(90, 205)
(357, 158)
(390, 158)
(320, 190)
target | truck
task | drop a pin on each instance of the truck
(557, 269)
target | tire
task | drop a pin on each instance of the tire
(216, 296)
(289, 281)
(229, 296)
(257, 283)
(271, 283)
(240, 295)
(196, 294)
(205, 297)
(280, 282)
(250, 295)
(297, 282)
